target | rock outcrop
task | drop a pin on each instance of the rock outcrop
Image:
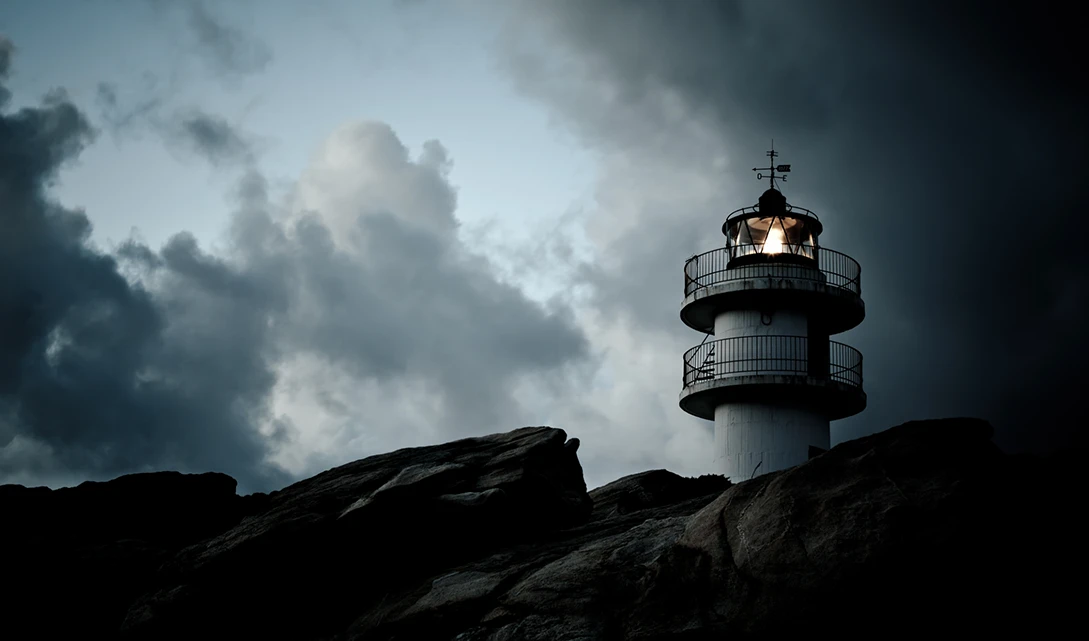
(74, 559)
(925, 528)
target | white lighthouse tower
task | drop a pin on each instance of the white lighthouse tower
(767, 373)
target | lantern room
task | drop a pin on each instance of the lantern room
(772, 231)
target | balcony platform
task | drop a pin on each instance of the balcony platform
(835, 398)
(831, 285)
(773, 369)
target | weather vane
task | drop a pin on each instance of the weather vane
(772, 167)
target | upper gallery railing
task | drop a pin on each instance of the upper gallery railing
(832, 267)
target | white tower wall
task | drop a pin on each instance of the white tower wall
(757, 436)
(774, 437)
(750, 322)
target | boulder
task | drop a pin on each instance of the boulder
(348, 538)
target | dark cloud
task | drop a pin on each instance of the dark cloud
(226, 48)
(208, 136)
(171, 358)
(7, 49)
(943, 143)
(121, 114)
(213, 138)
(98, 376)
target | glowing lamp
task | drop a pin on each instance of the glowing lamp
(774, 242)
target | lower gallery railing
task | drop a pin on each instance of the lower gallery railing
(786, 355)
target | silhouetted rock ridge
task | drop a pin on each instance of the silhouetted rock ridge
(926, 527)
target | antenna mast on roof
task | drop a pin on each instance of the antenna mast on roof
(772, 167)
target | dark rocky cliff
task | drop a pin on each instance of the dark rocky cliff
(926, 528)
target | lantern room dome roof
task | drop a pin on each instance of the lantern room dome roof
(773, 195)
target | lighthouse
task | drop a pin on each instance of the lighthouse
(767, 372)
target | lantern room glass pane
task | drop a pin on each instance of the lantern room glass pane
(771, 235)
(739, 240)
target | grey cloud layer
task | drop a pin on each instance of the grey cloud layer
(168, 358)
(943, 142)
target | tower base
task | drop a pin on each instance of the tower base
(756, 438)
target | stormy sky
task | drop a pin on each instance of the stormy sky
(266, 238)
